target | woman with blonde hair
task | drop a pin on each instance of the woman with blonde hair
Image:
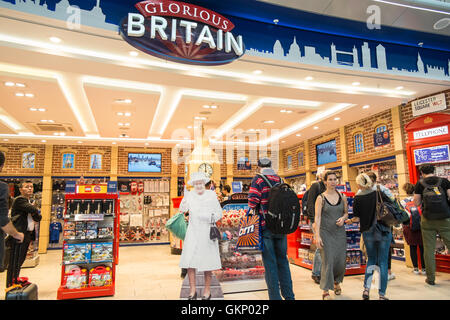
(376, 236)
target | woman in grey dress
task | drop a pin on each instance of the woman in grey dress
(331, 212)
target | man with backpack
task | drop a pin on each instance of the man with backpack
(433, 194)
(311, 195)
(274, 254)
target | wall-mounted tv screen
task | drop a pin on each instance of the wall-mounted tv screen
(144, 162)
(326, 152)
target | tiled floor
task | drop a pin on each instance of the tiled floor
(151, 272)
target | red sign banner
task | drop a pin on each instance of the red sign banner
(184, 10)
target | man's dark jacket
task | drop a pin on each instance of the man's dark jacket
(20, 209)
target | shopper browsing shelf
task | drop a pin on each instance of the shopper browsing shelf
(200, 253)
(330, 236)
(411, 230)
(433, 194)
(6, 225)
(226, 192)
(274, 254)
(314, 191)
(376, 236)
(25, 215)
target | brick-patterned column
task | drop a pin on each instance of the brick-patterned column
(46, 204)
(399, 146)
(229, 174)
(114, 162)
(308, 160)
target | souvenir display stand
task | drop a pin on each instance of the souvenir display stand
(301, 248)
(429, 142)
(144, 210)
(242, 270)
(90, 247)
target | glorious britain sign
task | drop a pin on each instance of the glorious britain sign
(182, 32)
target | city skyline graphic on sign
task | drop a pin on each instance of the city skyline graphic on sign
(338, 58)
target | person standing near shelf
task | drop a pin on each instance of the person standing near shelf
(330, 236)
(413, 237)
(376, 236)
(24, 216)
(6, 226)
(433, 194)
(314, 191)
(274, 254)
(226, 192)
(200, 253)
(388, 193)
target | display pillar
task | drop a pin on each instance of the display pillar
(400, 150)
(114, 162)
(46, 204)
(308, 174)
(229, 173)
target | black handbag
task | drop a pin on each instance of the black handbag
(214, 233)
(385, 211)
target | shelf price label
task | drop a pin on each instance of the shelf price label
(89, 217)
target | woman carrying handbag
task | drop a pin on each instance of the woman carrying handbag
(200, 251)
(368, 207)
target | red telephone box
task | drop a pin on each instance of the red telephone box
(429, 142)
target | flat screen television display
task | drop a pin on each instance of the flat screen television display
(144, 162)
(326, 152)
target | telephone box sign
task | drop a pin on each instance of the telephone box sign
(182, 32)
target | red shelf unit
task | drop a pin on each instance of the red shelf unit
(91, 292)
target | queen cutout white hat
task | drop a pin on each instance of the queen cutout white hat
(198, 176)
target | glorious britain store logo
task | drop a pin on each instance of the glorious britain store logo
(182, 32)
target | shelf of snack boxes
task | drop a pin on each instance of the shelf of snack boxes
(86, 276)
(299, 243)
(242, 270)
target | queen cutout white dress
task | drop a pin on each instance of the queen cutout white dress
(199, 251)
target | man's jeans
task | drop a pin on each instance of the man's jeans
(317, 264)
(276, 264)
(378, 254)
(430, 228)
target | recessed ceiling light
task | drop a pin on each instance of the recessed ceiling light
(133, 53)
(19, 94)
(43, 140)
(9, 84)
(309, 78)
(206, 106)
(213, 106)
(128, 101)
(366, 106)
(120, 124)
(33, 109)
(399, 88)
(288, 111)
(283, 141)
(315, 128)
(5, 139)
(356, 83)
(20, 85)
(120, 113)
(269, 121)
(146, 143)
(257, 72)
(127, 124)
(80, 141)
(282, 110)
(127, 114)
(189, 127)
(42, 109)
(114, 142)
(200, 118)
(251, 130)
(337, 118)
(298, 135)
(51, 121)
(55, 39)
(29, 95)
(44, 120)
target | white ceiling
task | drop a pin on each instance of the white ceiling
(79, 80)
(391, 15)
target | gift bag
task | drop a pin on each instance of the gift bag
(177, 225)
(249, 233)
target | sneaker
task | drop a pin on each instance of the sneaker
(424, 272)
(416, 271)
(430, 282)
(391, 276)
(316, 279)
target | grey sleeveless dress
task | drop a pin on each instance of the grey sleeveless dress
(334, 251)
